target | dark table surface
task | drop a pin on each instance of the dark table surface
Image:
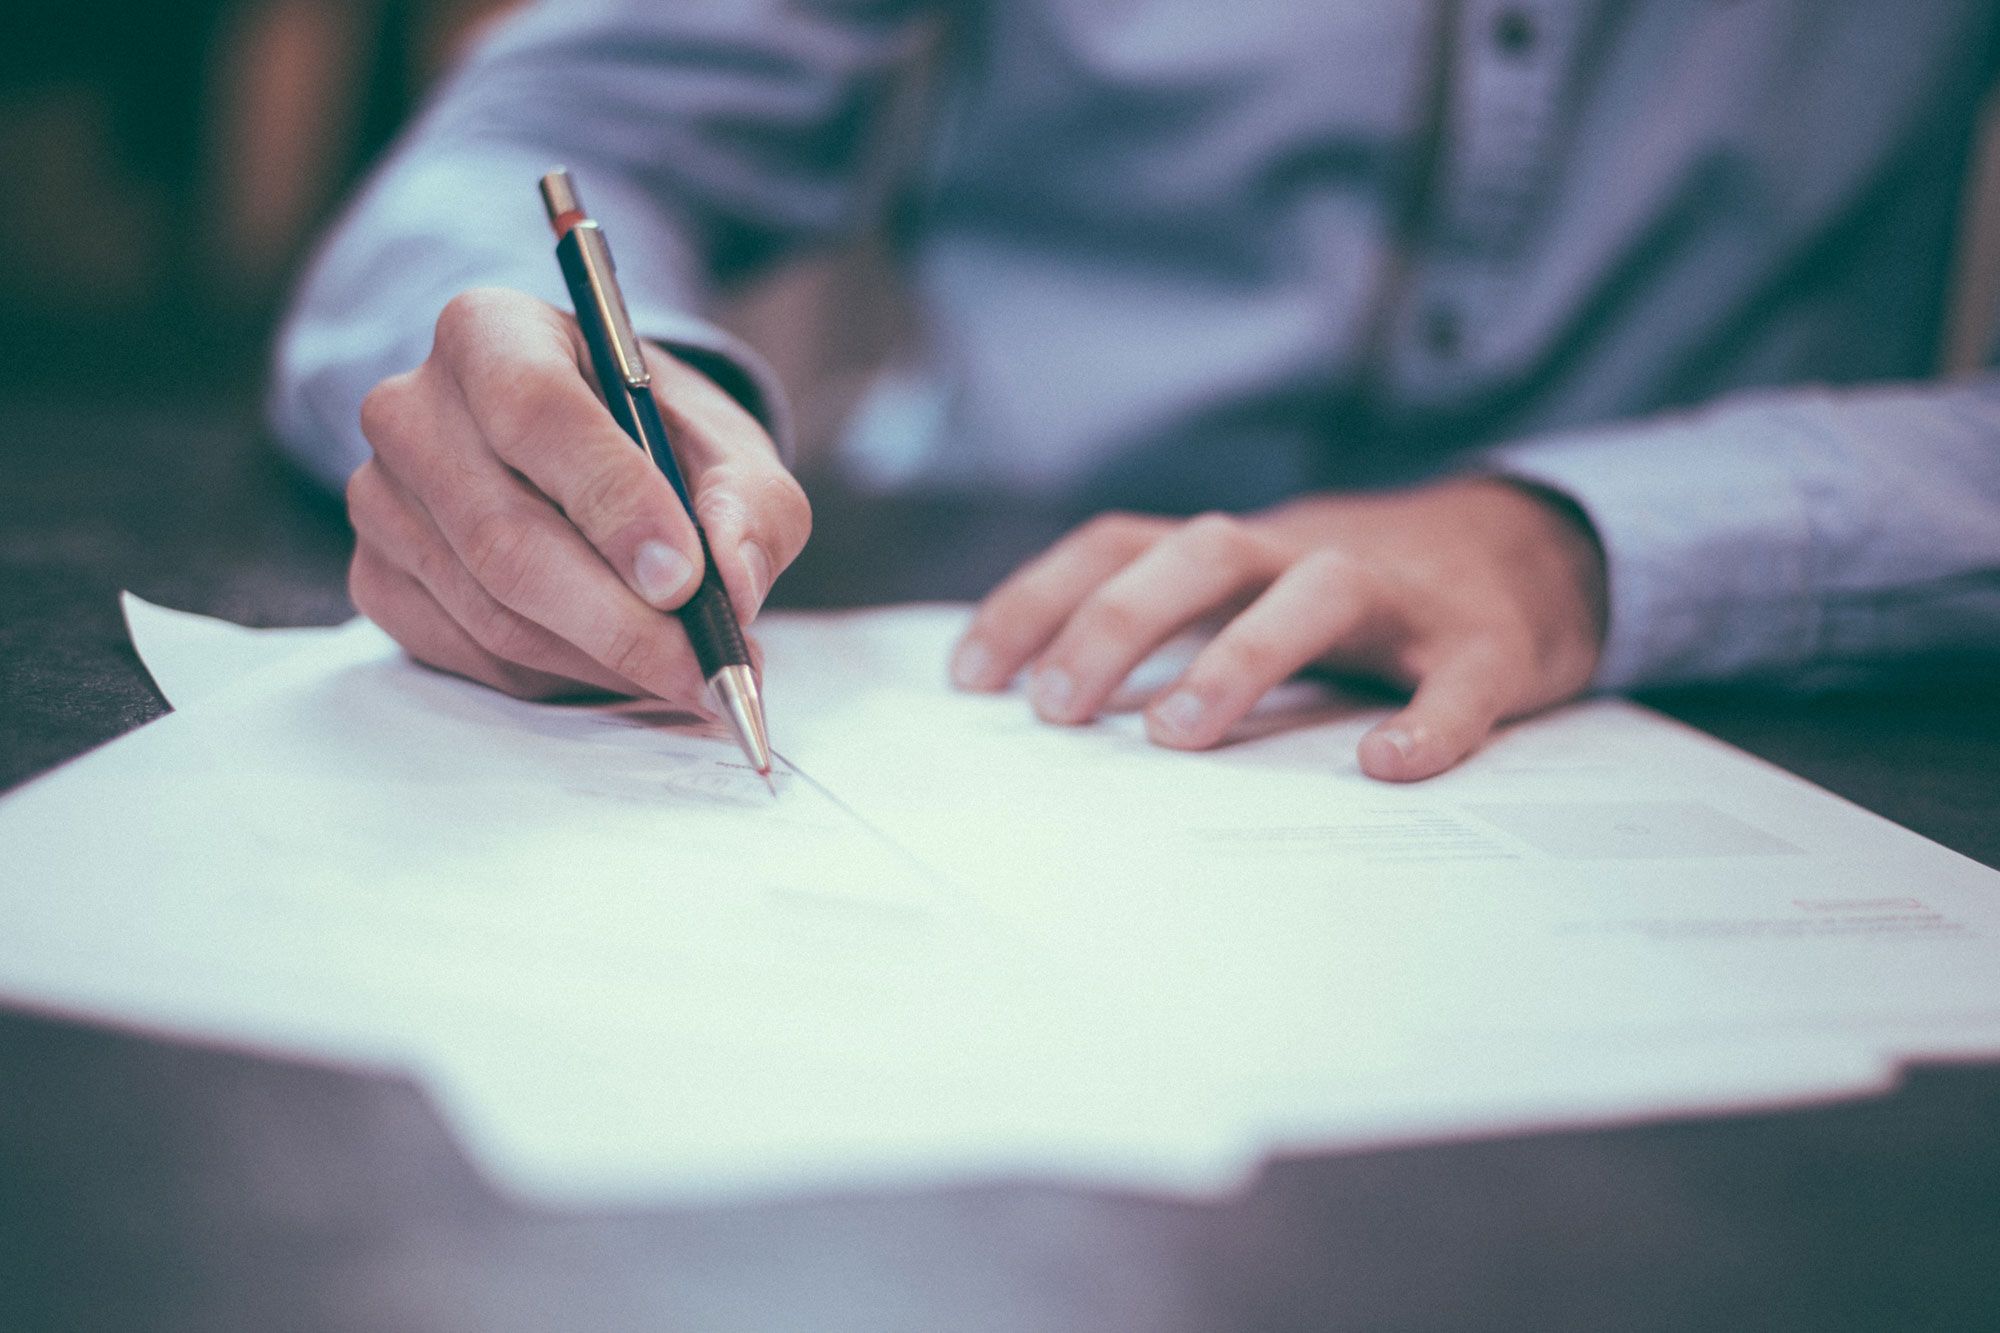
(148, 1184)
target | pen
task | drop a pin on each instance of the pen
(620, 365)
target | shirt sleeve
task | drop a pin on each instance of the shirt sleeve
(1811, 537)
(708, 138)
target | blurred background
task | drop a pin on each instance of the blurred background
(167, 164)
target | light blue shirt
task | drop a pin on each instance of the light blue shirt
(1684, 261)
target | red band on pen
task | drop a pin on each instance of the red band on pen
(565, 220)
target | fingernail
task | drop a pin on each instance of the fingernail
(1051, 693)
(660, 571)
(1179, 713)
(1399, 741)
(971, 665)
(758, 565)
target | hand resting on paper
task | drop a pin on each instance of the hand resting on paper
(1485, 598)
(508, 531)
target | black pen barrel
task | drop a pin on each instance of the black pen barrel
(617, 358)
(708, 617)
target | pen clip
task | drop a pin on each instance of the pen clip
(600, 275)
(595, 253)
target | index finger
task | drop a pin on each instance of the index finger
(517, 367)
(753, 510)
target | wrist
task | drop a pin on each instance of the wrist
(1565, 578)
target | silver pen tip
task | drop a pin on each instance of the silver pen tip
(736, 691)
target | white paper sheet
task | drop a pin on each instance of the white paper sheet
(1662, 879)
(191, 657)
(969, 945)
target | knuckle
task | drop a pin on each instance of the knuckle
(362, 492)
(1217, 538)
(501, 554)
(455, 320)
(520, 400)
(384, 410)
(718, 500)
(998, 618)
(1327, 568)
(1032, 600)
(361, 585)
(1373, 585)
(502, 633)
(634, 651)
(1114, 529)
(603, 488)
(790, 510)
(1112, 616)
(465, 315)
(1240, 657)
(765, 503)
(434, 565)
(1332, 579)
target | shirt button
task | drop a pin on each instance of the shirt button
(1442, 331)
(1514, 31)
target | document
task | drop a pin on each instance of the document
(959, 944)
(1653, 878)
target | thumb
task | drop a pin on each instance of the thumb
(1455, 707)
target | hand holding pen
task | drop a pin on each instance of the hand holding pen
(509, 531)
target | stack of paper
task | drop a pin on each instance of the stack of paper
(960, 943)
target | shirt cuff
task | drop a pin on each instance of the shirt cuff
(1707, 535)
(733, 364)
